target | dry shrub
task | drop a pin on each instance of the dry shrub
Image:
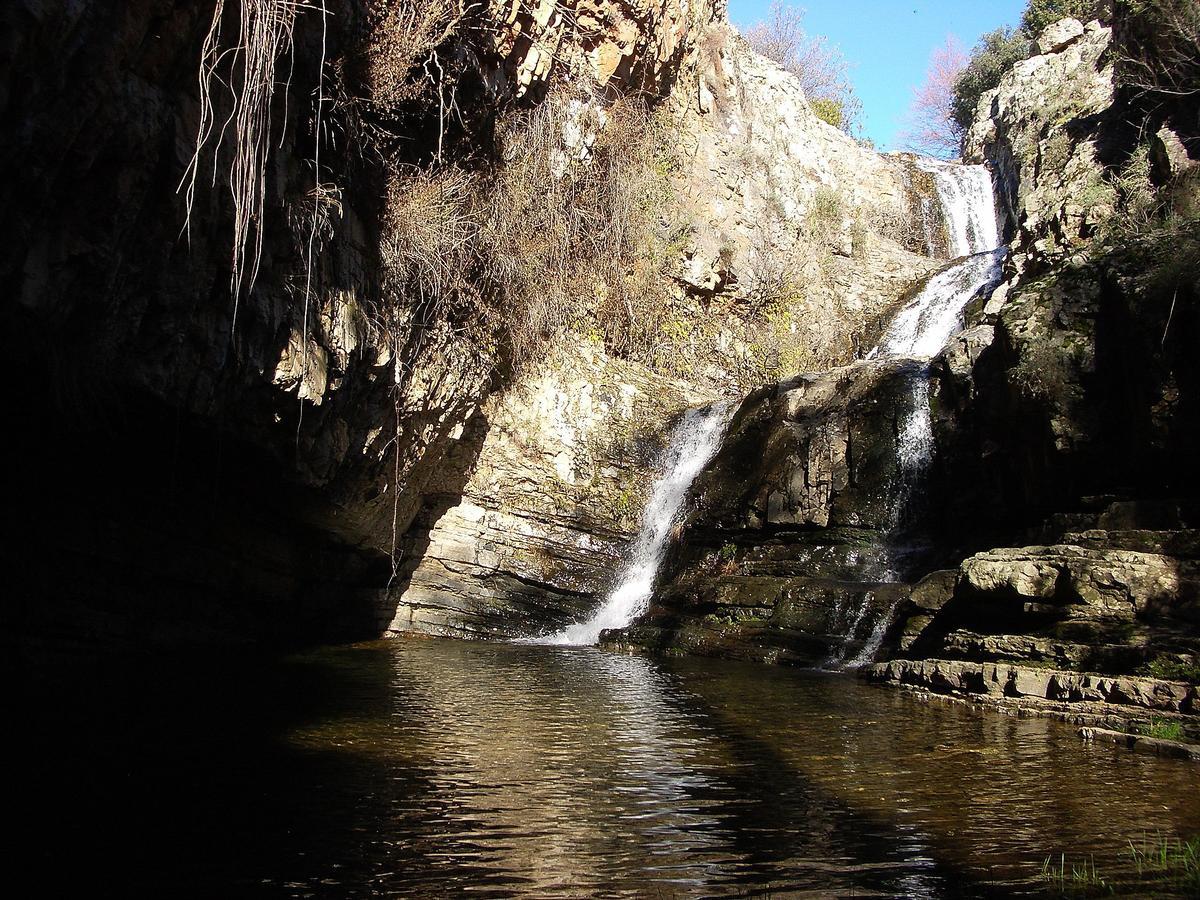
(575, 227)
(823, 72)
(1155, 45)
(406, 47)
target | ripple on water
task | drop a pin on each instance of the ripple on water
(432, 768)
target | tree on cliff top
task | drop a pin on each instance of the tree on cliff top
(823, 72)
(932, 128)
(996, 53)
(1040, 13)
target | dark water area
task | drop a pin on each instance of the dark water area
(438, 768)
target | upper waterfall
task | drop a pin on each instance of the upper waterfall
(968, 202)
(693, 443)
(931, 318)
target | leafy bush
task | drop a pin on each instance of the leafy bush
(829, 111)
(996, 53)
(1163, 729)
(1040, 13)
(1171, 669)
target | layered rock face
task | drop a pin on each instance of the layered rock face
(556, 479)
(242, 468)
(556, 473)
(1061, 417)
(640, 42)
(273, 467)
(1071, 423)
(789, 554)
(1037, 132)
(792, 215)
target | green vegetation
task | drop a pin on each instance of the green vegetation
(1172, 669)
(627, 504)
(1171, 862)
(1163, 729)
(1040, 13)
(830, 111)
(825, 214)
(999, 50)
(996, 53)
(1080, 878)
(1047, 367)
(1164, 864)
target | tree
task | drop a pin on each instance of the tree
(1155, 45)
(1040, 13)
(996, 53)
(823, 72)
(932, 128)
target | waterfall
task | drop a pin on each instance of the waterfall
(920, 331)
(693, 443)
(931, 318)
(969, 205)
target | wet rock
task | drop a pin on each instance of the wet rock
(935, 590)
(1112, 585)
(559, 465)
(1036, 684)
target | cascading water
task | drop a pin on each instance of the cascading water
(968, 203)
(693, 444)
(921, 330)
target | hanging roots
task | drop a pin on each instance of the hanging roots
(247, 70)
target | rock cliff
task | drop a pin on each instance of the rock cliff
(1062, 417)
(291, 456)
(791, 218)
(1069, 421)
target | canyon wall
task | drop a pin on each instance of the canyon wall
(206, 458)
(1055, 525)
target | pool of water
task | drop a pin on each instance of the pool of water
(433, 768)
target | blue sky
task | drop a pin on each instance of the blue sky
(888, 43)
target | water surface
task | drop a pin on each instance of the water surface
(433, 768)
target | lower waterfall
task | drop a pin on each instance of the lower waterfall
(693, 443)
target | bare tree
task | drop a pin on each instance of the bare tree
(931, 127)
(1156, 45)
(823, 72)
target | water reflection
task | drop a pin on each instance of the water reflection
(436, 768)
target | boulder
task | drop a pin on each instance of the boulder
(1059, 35)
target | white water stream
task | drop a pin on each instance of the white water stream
(921, 330)
(968, 203)
(693, 443)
